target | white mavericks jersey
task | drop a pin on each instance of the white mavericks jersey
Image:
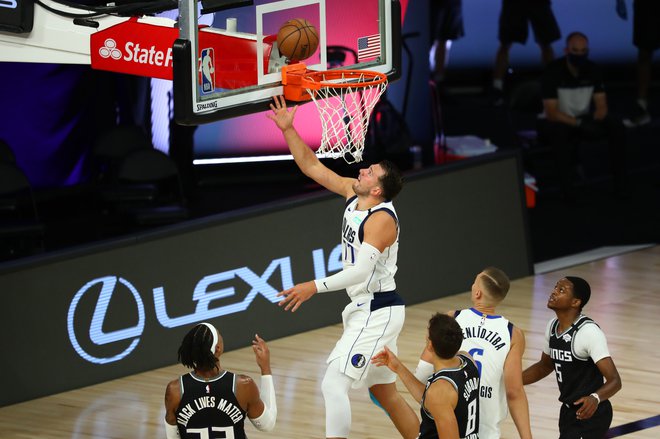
(488, 339)
(382, 278)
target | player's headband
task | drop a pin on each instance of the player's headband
(215, 335)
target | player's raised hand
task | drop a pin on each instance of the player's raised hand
(387, 358)
(262, 354)
(294, 297)
(282, 117)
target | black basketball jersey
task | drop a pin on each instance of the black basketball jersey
(576, 376)
(465, 380)
(209, 409)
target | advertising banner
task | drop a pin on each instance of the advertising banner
(84, 317)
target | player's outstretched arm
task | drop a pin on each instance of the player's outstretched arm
(261, 354)
(389, 359)
(305, 158)
(261, 403)
(513, 382)
(292, 298)
(379, 233)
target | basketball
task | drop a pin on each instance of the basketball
(297, 39)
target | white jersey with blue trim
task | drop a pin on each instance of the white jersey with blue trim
(382, 277)
(488, 339)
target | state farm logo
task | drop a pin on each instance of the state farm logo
(135, 48)
(136, 54)
(109, 49)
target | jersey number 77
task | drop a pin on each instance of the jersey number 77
(204, 433)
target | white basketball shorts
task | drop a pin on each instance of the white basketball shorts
(366, 332)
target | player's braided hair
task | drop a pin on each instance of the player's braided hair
(195, 350)
(445, 335)
(391, 181)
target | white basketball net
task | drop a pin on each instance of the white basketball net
(344, 113)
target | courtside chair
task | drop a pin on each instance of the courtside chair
(113, 145)
(21, 231)
(6, 153)
(148, 190)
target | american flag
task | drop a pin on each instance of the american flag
(368, 47)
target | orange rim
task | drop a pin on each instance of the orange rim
(317, 80)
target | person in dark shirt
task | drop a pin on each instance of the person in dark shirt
(646, 37)
(210, 400)
(575, 109)
(576, 350)
(447, 26)
(450, 398)
(515, 19)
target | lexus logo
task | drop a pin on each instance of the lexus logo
(109, 284)
(215, 295)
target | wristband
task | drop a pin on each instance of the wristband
(424, 371)
(266, 421)
(171, 431)
(595, 395)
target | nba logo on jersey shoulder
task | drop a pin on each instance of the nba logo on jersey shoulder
(567, 337)
(483, 320)
(208, 389)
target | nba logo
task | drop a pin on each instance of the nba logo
(208, 70)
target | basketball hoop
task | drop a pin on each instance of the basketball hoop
(344, 100)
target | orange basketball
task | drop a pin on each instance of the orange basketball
(297, 39)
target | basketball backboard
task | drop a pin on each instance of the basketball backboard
(233, 67)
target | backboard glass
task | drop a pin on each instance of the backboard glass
(233, 67)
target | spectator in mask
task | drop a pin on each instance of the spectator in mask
(575, 109)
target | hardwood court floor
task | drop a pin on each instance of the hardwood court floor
(625, 302)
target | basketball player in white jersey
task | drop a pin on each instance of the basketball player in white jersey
(497, 347)
(375, 315)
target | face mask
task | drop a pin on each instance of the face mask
(577, 60)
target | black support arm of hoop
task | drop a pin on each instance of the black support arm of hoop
(395, 74)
